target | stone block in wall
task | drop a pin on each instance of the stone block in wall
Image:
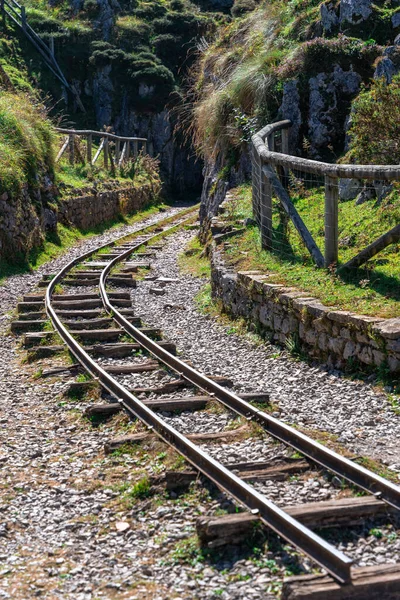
(365, 355)
(322, 325)
(378, 357)
(339, 316)
(388, 329)
(350, 350)
(336, 345)
(286, 298)
(394, 364)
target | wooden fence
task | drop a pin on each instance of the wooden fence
(271, 170)
(115, 149)
(16, 12)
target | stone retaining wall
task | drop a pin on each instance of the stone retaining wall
(330, 336)
(90, 210)
(26, 218)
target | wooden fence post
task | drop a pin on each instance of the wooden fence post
(271, 142)
(71, 147)
(265, 210)
(23, 17)
(135, 148)
(89, 141)
(331, 220)
(128, 148)
(285, 150)
(105, 152)
(3, 14)
(117, 151)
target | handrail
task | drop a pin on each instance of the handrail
(377, 172)
(103, 134)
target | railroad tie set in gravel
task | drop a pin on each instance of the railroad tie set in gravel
(93, 315)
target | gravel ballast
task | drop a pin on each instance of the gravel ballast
(64, 530)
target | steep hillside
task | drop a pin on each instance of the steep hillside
(127, 60)
(304, 60)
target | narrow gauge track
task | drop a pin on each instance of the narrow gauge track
(334, 561)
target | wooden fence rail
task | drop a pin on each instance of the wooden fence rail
(11, 9)
(270, 174)
(114, 154)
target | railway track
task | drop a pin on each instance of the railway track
(92, 324)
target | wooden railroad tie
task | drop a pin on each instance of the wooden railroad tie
(378, 582)
(138, 438)
(96, 335)
(106, 350)
(178, 480)
(234, 528)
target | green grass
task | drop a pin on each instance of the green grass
(372, 290)
(192, 261)
(26, 141)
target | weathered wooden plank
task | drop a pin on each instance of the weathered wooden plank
(25, 325)
(315, 515)
(255, 471)
(165, 404)
(391, 237)
(124, 350)
(223, 436)
(331, 220)
(378, 582)
(297, 221)
(97, 323)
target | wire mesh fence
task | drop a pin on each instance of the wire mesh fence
(311, 215)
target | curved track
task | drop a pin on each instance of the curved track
(334, 561)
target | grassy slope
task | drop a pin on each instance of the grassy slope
(374, 290)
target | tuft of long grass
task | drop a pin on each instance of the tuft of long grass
(26, 141)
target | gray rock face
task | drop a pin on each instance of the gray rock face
(396, 20)
(329, 18)
(103, 93)
(355, 11)
(290, 109)
(387, 66)
(326, 92)
(179, 167)
(349, 188)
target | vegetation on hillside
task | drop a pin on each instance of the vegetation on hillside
(375, 124)
(238, 81)
(145, 47)
(26, 142)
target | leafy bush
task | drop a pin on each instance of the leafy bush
(241, 7)
(26, 141)
(150, 10)
(375, 124)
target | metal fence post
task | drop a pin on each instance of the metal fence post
(331, 220)
(265, 210)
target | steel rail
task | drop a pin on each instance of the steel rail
(323, 553)
(327, 458)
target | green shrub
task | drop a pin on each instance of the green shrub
(241, 7)
(375, 124)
